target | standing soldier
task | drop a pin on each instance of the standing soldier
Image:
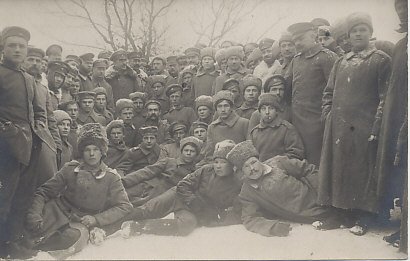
(86, 113)
(251, 86)
(307, 77)
(206, 75)
(134, 61)
(21, 113)
(178, 112)
(192, 56)
(138, 98)
(121, 77)
(352, 108)
(117, 150)
(173, 66)
(85, 69)
(124, 110)
(56, 74)
(98, 73)
(156, 91)
(159, 68)
(270, 64)
(287, 51)
(100, 106)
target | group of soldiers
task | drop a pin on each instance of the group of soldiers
(309, 128)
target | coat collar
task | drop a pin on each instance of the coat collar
(12, 66)
(230, 121)
(202, 71)
(255, 183)
(241, 70)
(313, 51)
(97, 174)
(121, 146)
(275, 123)
(245, 107)
(362, 54)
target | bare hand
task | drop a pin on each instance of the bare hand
(89, 221)
(372, 138)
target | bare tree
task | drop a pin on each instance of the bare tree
(127, 24)
(219, 17)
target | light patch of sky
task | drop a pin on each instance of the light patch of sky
(48, 25)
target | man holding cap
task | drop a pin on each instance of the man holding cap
(85, 69)
(98, 80)
(206, 75)
(307, 78)
(86, 113)
(178, 112)
(270, 64)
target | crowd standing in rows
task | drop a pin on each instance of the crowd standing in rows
(310, 128)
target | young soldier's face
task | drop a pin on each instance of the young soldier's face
(234, 63)
(72, 110)
(68, 82)
(64, 128)
(252, 168)
(126, 115)
(234, 89)
(73, 64)
(116, 135)
(32, 64)
(99, 71)
(92, 155)
(157, 89)
(204, 112)
(278, 90)
(222, 167)
(138, 104)
(188, 153)
(200, 133)
(207, 62)
(193, 59)
(175, 98)
(75, 87)
(187, 79)
(323, 39)
(360, 37)
(224, 109)
(58, 79)
(268, 113)
(149, 141)
(100, 102)
(251, 94)
(158, 66)
(287, 49)
(179, 135)
(87, 105)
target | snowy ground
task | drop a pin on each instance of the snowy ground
(235, 242)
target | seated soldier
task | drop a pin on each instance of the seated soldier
(177, 111)
(206, 197)
(64, 124)
(276, 86)
(199, 130)
(100, 106)
(278, 189)
(145, 154)
(171, 149)
(81, 196)
(86, 113)
(138, 98)
(204, 109)
(251, 86)
(273, 135)
(124, 109)
(153, 180)
(117, 151)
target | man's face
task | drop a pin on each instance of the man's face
(120, 63)
(222, 167)
(173, 68)
(138, 104)
(267, 55)
(251, 65)
(323, 39)
(304, 41)
(234, 89)
(116, 135)
(224, 109)
(149, 141)
(134, 62)
(187, 79)
(175, 98)
(179, 135)
(188, 153)
(99, 72)
(64, 128)
(100, 102)
(86, 66)
(157, 89)
(54, 56)
(158, 66)
(401, 10)
(75, 87)
(278, 90)
(92, 155)
(15, 49)
(200, 133)
(234, 63)
(252, 168)
(360, 37)
(204, 112)
(192, 59)
(251, 94)
(73, 64)
(287, 49)
(207, 62)
(126, 115)
(182, 62)
(268, 113)
(153, 112)
(72, 110)
(44, 65)
(223, 65)
(68, 82)
(32, 64)
(58, 79)
(87, 104)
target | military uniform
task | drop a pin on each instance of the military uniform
(116, 155)
(181, 114)
(123, 82)
(170, 150)
(246, 111)
(138, 158)
(90, 117)
(131, 137)
(103, 83)
(107, 116)
(86, 83)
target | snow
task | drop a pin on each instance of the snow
(235, 242)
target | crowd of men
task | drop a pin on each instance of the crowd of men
(309, 128)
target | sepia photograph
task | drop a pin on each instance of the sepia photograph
(203, 130)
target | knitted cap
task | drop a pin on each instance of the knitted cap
(358, 18)
(222, 148)
(203, 100)
(61, 115)
(208, 51)
(251, 80)
(220, 56)
(241, 153)
(191, 140)
(234, 51)
(269, 99)
(114, 124)
(122, 104)
(222, 95)
(92, 134)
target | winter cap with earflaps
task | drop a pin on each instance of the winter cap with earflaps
(193, 141)
(61, 115)
(122, 104)
(222, 148)
(114, 124)
(222, 95)
(358, 18)
(241, 153)
(203, 100)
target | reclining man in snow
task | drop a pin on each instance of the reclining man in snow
(278, 189)
(206, 197)
(81, 196)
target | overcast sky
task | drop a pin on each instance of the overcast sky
(47, 25)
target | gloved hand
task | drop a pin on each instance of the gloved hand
(280, 229)
(34, 222)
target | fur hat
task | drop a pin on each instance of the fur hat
(234, 51)
(137, 95)
(122, 104)
(61, 115)
(251, 80)
(285, 37)
(241, 153)
(114, 124)
(222, 95)
(203, 100)
(220, 56)
(208, 51)
(222, 148)
(156, 78)
(92, 134)
(358, 18)
(269, 99)
(191, 140)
